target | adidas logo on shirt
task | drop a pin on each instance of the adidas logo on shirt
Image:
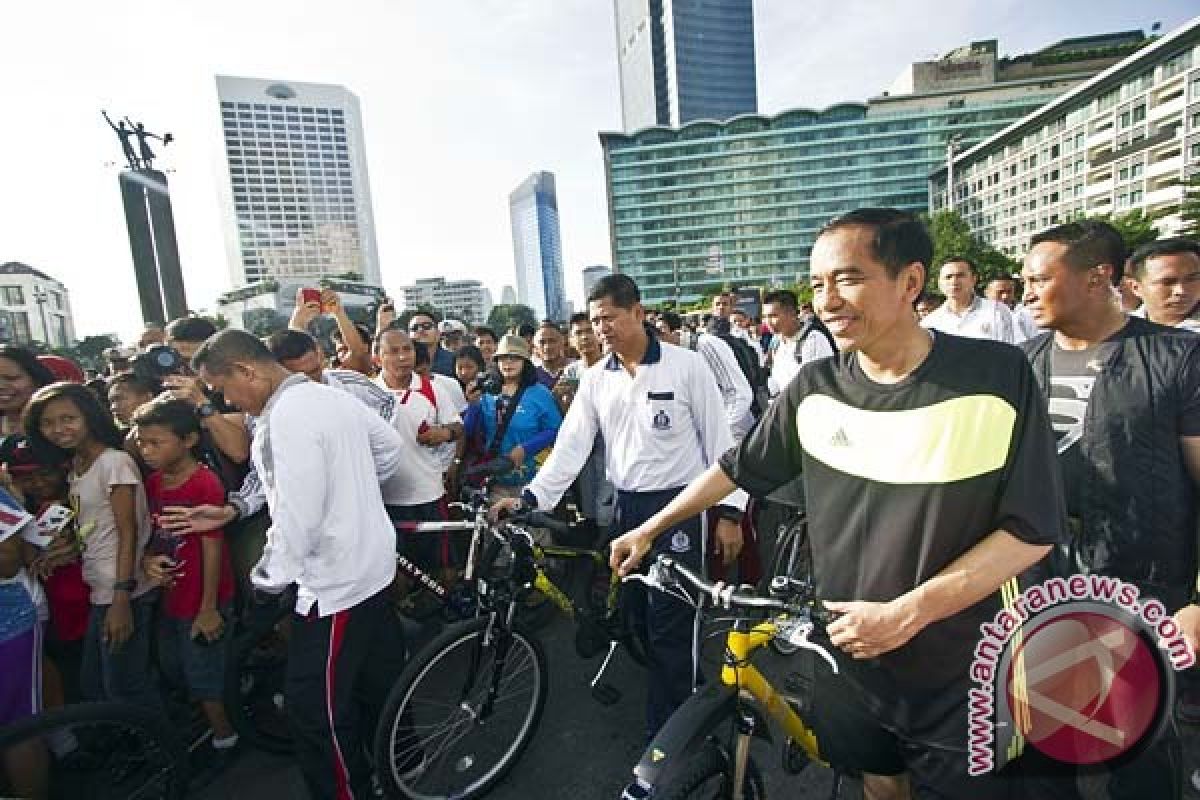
(840, 439)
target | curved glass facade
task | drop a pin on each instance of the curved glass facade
(741, 202)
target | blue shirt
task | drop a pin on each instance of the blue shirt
(534, 426)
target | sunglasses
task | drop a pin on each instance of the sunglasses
(420, 326)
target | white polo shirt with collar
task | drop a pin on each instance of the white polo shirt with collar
(663, 426)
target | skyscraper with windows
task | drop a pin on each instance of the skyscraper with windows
(537, 246)
(297, 200)
(684, 60)
(741, 201)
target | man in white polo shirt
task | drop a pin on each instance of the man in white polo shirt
(965, 313)
(663, 421)
(321, 455)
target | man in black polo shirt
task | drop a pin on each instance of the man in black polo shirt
(928, 463)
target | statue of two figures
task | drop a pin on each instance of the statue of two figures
(126, 130)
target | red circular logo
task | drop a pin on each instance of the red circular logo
(1084, 687)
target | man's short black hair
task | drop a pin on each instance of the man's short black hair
(956, 259)
(191, 329)
(288, 345)
(1090, 243)
(221, 351)
(580, 317)
(1175, 245)
(526, 331)
(619, 288)
(483, 330)
(782, 297)
(138, 383)
(899, 238)
(673, 320)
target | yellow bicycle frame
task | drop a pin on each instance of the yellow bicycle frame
(746, 678)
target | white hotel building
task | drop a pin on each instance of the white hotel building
(1127, 139)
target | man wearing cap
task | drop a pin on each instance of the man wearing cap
(453, 333)
(661, 416)
(424, 329)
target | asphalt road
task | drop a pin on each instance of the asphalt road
(586, 751)
(583, 750)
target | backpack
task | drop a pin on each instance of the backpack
(755, 374)
(814, 325)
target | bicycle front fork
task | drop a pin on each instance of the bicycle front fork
(744, 725)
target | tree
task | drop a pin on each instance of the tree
(89, 351)
(504, 317)
(1136, 227)
(1189, 211)
(263, 322)
(952, 237)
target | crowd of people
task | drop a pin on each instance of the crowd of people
(941, 453)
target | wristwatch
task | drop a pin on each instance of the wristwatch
(127, 585)
(205, 410)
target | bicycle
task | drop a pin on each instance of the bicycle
(468, 704)
(706, 743)
(257, 666)
(104, 751)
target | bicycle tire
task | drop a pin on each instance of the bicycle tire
(154, 748)
(447, 764)
(708, 777)
(792, 558)
(255, 673)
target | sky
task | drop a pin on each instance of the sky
(461, 99)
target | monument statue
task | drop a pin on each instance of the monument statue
(127, 130)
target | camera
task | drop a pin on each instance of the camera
(158, 362)
(488, 384)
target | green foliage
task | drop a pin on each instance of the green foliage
(264, 321)
(89, 351)
(952, 237)
(1136, 227)
(504, 317)
(1190, 210)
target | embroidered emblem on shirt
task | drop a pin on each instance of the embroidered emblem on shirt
(840, 439)
(662, 422)
(680, 542)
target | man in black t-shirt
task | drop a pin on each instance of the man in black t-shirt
(1124, 395)
(928, 462)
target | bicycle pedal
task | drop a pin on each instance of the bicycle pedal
(606, 694)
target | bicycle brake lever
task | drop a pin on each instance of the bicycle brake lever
(799, 638)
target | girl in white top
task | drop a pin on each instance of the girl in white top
(111, 520)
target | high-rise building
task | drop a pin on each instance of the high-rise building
(508, 295)
(684, 60)
(591, 275)
(34, 307)
(469, 302)
(742, 201)
(1126, 140)
(537, 246)
(297, 200)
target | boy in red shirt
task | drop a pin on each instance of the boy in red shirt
(194, 569)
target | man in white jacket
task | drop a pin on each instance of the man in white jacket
(321, 455)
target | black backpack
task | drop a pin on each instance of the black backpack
(814, 324)
(756, 374)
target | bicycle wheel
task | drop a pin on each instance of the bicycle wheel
(104, 751)
(462, 712)
(709, 776)
(254, 685)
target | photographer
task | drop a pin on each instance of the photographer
(225, 442)
(518, 421)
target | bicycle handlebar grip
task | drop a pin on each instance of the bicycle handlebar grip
(491, 469)
(539, 519)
